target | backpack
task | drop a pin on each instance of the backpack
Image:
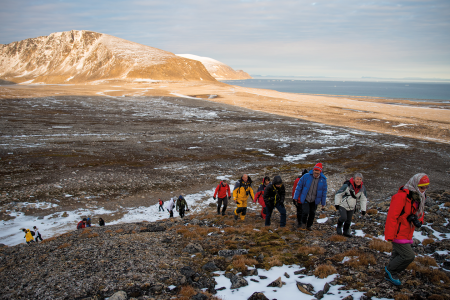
(32, 233)
(80, 225)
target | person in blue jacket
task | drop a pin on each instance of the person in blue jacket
(311, 191)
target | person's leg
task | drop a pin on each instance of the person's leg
(341, 220)
(238, 212)
(305, 212)
(219, 204)
(348, 222)
(268, 216)
(282, 210)
(244, 212)
(299, 214)
(402, 256)
(225, 205)
(171, 213)
(311, 215)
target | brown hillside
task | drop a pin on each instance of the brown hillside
(83, 56)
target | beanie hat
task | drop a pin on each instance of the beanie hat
(277, 180)
(318, 166)
(424, 181)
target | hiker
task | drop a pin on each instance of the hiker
(161, 207)
(242, 189)
(259, 196)
(297, 202)
(311, 190)
(28, 236)
(274, 195)
(222, 190)
(406, 212)
(345, 201)
(88, 222)
(181, 205)
(101, 222)
(37, 233)
(82, 224)
(169, 206)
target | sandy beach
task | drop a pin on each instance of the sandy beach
(395, 117)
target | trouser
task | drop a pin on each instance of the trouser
(299, 213)
(38, 237)
(225, 204)
(161, 208)
(308, 213)
(402, 256)
(264, 213)
(181, 212)
(346, 215)
(281, 209)
(241, 211)
(171, 213)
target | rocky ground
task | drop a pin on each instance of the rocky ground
(177, 258)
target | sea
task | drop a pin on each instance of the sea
(415, 91)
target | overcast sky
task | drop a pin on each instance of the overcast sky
(347, 38)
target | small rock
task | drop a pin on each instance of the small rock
(230, 253)
(64, 215)
(258, 296)
(121, 295)
(193, 248)
(286, 275)
(199, 296)
(276, 283)
(210, 267)
(262, 277)
(237, 282)
(260, 258)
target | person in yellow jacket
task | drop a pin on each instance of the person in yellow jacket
(242, 189)
(28, 236)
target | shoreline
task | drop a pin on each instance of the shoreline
(400, 118)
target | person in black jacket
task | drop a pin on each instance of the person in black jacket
(274, 195)
(101, 222)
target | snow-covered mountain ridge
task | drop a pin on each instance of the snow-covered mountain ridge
(80, 56)
(218, 69)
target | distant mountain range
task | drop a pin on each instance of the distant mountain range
(80, 56)
(217, 69)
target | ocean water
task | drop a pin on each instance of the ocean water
(417, 91)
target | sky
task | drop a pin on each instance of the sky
(333, 38)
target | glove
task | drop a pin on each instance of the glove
(294, 202)
(229, 197)
(337, 207)
(214, 198)
(363, 212)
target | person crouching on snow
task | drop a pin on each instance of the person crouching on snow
(169, 206)
(345, 202)
(406, 212)
(259, 196)
(274, 198)
(242, 189)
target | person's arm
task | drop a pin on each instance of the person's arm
(235, 194)
(363, 201)
(295, 186)
(282, 194)
(228, 191)
(216, 191)
(324, 195)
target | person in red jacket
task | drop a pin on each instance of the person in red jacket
(222, 190)
(260, 196)
(405, 213)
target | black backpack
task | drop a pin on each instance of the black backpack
(32, 233)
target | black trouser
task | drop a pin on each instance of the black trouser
(38, 237)
(161, 208)
(171, 213)
(181, 211)
(299, 213)
(308, 213)
(219, 204)
(241, 210)
(346, 215)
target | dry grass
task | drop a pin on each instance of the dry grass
(337, 238)
(275, 261)
(372, 211)
(119, 230)
(357, 258)
(240, 262)
(434, 275)
(323, 271)
(426, 261)
(321, 216)
(437, 276)
(93, 235)
(187, 291)
(401, 297)
(49, 240)
(306, 250)
(427, 242)
(65, 245)
(447, 204)
(108, 231)
(380, 245)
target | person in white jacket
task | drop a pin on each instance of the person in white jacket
(170, 205)
(345, 201)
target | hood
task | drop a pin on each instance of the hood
(277, 180)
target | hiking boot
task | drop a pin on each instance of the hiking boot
(309, 228)
(303, 227)
(347, 232)
(236, 217)
(391, 277)
(339, 228)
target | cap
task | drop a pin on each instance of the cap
(318, 166)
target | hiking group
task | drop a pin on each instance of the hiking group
(406, 211)
(32, 236)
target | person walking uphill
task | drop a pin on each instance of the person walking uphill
(161, 203)
(38, 234)
(274, 195)
(181, 206)
(259, 196)
(242, 189)
(169, 206)
(297, 202)
(222, 190)
(311, 190)
(345, 202)
(406, 212)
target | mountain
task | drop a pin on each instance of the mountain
(80, 56)
(218, 69)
